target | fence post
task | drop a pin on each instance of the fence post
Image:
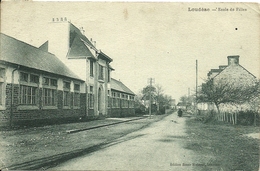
(233, 121)
(236, 117)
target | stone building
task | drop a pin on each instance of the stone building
(232, 74)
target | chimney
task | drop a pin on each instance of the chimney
(232, 60)
(93, 42)
(221, 67)
(82, 30)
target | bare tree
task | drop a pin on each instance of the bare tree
(227, 93)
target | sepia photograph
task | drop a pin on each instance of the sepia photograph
(129, 86)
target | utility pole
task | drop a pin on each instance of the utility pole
(196, 107)
(151, 81)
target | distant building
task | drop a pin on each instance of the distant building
(66, 77)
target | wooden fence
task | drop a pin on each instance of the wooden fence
(227, 117)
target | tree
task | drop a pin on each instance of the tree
(147, 90)
(159, 96)
(224, 92)
(167, 101)
(187, 100)
(156, 95)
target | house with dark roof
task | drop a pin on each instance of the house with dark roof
(232, 74)
(36, 85)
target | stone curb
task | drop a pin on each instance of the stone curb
(104, 125)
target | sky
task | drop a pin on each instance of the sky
(150, 39)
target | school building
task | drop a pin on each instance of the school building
(67, 78)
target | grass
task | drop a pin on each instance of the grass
(225, 144)
(32, 148)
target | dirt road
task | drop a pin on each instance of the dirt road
(161, 146)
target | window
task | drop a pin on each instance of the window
(2, 73)
(91, 89)
(113, 99)
(34, 78)
(54, 82)
(24, 77)
(91, 68)
(76, 87)
(66, 85)
(118, 100)
(76, 99)
(91, 97)
(108, 99)
(28, 94)
(91, 101)
(124, 101)
(2, 79)
(49, 81)
(49, 96)
(1, 93)
(66, 98)
(66, 93)
(108, 75)
(101, 73)
(46, 81)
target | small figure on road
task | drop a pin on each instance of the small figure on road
(180, 113)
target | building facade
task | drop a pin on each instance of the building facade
(35, 85)
(65, 78)
(80, 54)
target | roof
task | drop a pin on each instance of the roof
(236, 66)
(102, 55)
(44, 46)
(214, 71)
(80, 45)
(75, 31)
(17, 52)
(119, 86)
(78, 49)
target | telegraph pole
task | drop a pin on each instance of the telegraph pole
(151, 81)
(196, 107)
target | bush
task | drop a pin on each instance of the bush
(247, 118)
(206, 117)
